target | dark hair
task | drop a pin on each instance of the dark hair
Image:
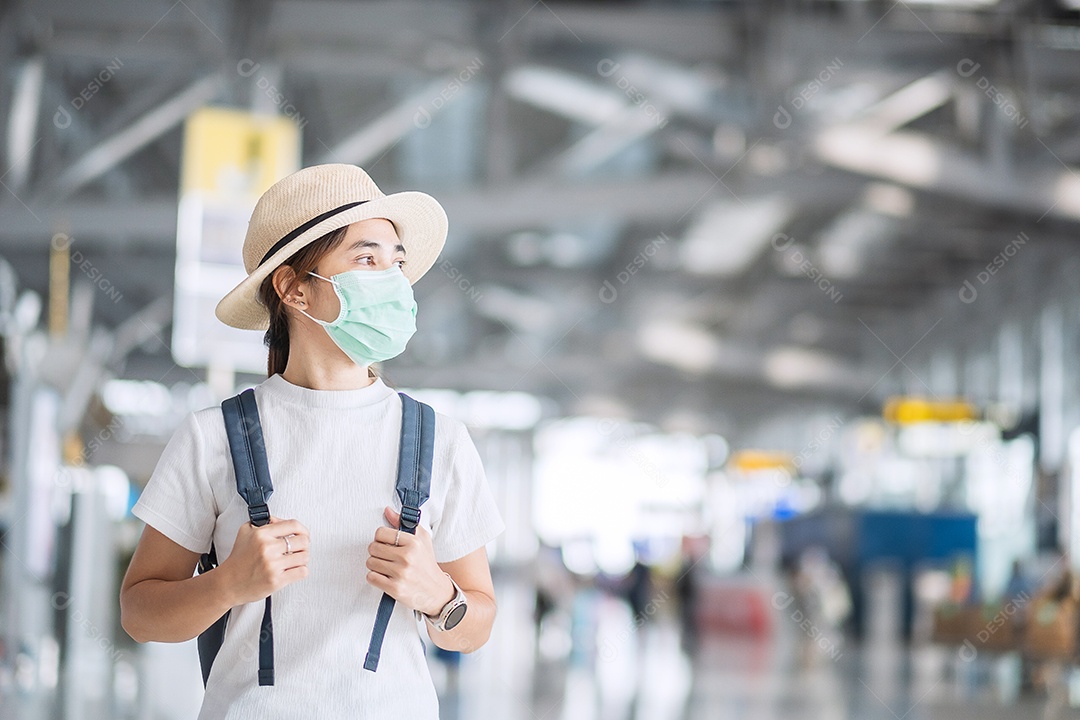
(302, 262)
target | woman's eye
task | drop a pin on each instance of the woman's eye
(400, 263)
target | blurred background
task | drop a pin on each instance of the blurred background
(763, 316)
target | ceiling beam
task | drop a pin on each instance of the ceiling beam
(101, 223)
(114, 150)
(697, 33)
(875, 146)
(375, 138)
(662, 198)
(23, 120)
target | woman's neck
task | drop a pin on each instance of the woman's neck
(318, 364)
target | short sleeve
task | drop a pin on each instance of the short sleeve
(177, 500)
(470, 518)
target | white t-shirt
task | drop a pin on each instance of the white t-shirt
(333, 458)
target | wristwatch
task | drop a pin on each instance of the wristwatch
(452, 612)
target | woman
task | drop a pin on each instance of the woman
(330, 262)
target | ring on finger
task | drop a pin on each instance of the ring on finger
(397, 538)
(288, 547)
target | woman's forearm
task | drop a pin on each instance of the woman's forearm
(473, 630)
(174, 610)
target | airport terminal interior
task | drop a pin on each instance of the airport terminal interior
(763, 317)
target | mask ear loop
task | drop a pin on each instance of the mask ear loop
(322, 278)
(313, 319)
(340, 300)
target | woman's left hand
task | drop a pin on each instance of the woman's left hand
(408, 571)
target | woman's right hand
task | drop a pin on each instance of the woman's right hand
(258, 565)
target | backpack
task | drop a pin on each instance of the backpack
(253, 484)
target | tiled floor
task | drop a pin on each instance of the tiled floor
(603, 665)
(627, 672)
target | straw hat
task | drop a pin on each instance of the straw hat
(308, 204)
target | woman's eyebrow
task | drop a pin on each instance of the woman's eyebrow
(374, 244)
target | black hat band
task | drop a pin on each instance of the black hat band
(307, 226)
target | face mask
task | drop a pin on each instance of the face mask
(378, 314)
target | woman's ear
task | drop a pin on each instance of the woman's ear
(289, 288)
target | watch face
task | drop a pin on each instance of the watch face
(455, 616)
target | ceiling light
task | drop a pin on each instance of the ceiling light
(889, 199)
(525, 312)
(846, 243)
(909, 103)
(909, 159)
(681, 345)
(564, 94)
(791, 367)
(727, 236)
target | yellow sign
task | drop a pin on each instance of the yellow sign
(234, 153)
(910, 410)
(230, 158)
(756, 460)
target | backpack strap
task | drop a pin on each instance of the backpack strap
(253, 483)
(210, 639)
(413, 486)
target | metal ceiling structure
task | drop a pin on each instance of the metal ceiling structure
(742, 210)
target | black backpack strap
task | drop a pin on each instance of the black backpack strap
(253, 483)
(413, 486)
(210, 639)
(208, 561)
(414, 462)
(248, 454)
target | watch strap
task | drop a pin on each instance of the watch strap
(439, 621)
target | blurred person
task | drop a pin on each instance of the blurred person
(584, 621)
(544, 563)
(962, 589)
(823, 584)
(330, 262)
(543, 604)
(824, 599)
(637, 588)
(1019, 588)
(687, 588)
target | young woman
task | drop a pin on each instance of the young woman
(330, 262)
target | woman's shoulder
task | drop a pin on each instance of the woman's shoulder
(450, 429)
(205, 426)
(455, 446)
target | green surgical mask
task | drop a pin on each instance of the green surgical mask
(378, 314)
